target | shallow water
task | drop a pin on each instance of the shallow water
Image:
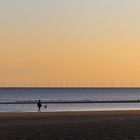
(68, 94)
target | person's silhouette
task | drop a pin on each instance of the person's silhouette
(39, 105)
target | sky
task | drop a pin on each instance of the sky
(70, 42)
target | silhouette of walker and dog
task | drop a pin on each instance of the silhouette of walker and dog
(39, 105)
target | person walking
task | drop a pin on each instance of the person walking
(39, 105)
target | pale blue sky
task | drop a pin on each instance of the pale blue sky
(68, 13)
(37, 8)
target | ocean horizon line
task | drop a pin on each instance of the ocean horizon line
(71, 87)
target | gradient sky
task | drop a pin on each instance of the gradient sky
(70, 41)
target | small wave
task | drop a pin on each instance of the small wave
(68, 101)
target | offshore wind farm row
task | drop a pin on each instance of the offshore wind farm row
(71, 85)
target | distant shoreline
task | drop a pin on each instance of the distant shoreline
(28, 87)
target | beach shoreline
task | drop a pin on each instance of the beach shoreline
(52, 113)
(81, 125)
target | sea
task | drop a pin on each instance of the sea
(57, 99)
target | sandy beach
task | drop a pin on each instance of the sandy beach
(98, 125)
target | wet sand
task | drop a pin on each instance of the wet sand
(97, 125)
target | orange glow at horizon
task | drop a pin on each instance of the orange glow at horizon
(75, 46)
